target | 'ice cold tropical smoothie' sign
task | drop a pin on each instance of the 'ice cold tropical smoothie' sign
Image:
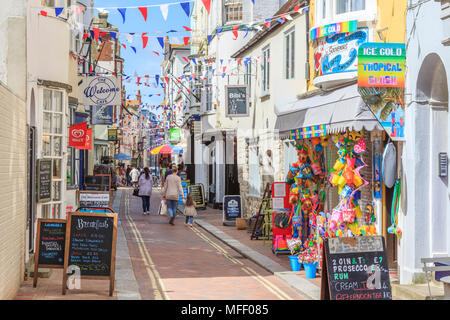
(381, 65)
(100, 91)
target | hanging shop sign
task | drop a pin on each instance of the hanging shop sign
(90, 247)
(334, 28)
(100, 91)
(112, 135)
(88, 140)
(381, 84)
(77, 135)
(355, 268)
(50, 245)
(232, 209)
(103, 115)
(44, 183)
(175, 134)
(236, 100)
(337, 55)
(309, 132)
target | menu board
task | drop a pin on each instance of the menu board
(50, 244)
(94, 199)
(198, 195)
(91, 245)
(232, 208)
(355, 269)
(44, 180)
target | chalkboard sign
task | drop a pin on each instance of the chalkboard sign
(236, 100)
(355, 269)
(91, 246)
(232, 209)
(94, 199)
(101, 182)
(198, 195)
(50, 244)
(44, 181)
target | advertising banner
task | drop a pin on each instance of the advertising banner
(88, 140)
(100, 91)
(381, 84)
(334, 28)
(77, 135)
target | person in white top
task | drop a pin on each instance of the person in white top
(134, 176)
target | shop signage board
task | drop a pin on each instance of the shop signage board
(100, 91)
(338, 53)
(232, 209)
(309, 132)
(198, 195)
(88, 141)
(90, 247)
(236, 100)
(94, 199)
(44, 181)
(355, 268)
(103, 115)
(112, 135)
(334, 28)
(381, 84)
(50, 244)
(77, 135)
(175, 134)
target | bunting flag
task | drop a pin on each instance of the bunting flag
(157, 79)
(186, 59)
(134, 49)
(79, 10)
(43, 13)
(113, 35)
(58, 11)
(96, 33)
(268, 23)
(144, 40)
(187, 28)
(164, 10)
(186, 7)
(209, 39)
(161, 41)
(207, 4)
(143, 11)
(124, 46)
(157, 53)
(122, 12)
(235, 32)
(186, 40)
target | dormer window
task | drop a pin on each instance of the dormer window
(233, 10)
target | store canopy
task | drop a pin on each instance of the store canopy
(339, 110)
(122, 156)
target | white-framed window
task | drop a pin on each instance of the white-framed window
(345, 6)
(208, 88)
(254, 177)
(265, 71)
(53, 126)
(232, 10)
(289, 54)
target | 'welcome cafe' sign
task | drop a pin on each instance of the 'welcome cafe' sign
(100, 91)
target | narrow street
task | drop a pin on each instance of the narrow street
(183, 263)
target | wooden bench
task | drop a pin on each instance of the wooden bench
(428, 269)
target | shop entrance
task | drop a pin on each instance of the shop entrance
(212, 176)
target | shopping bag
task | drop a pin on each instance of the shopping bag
(136, 192)
(163, 208)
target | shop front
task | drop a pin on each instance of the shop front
(332, 163)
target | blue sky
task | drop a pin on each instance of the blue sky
(145, 62)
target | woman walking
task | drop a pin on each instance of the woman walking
(145, 189)
(172, 190)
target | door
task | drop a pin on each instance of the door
(31, 192)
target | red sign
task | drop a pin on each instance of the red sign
(77, 135)
(88, 139)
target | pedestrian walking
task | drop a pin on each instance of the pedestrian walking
(171, 193)
(134, 174)
(145, 189)
(189, 210)
(128, 175)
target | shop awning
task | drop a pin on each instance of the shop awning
(338, 110)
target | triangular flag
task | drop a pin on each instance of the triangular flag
(164, 10)
(186, 40)
(209, 39)
(186, 59)
(129, 38)
(85, 35)
(96, 33)
(58, 11)
(207, 4)
(297, 8)
(268, 23)
(43, 13)
(187, 28)
(79, 10)
(157, 78)
(113, 35)
(144, 40)
(219, 30)
(124, 46)
(143, 10)
(194, 60)
(288, 17)
(134, 49)
(186, 8)
(157, 53)
(235, 32)
(122, 12)
(253, 1)
(161, 41)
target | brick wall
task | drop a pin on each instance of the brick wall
(13, 188)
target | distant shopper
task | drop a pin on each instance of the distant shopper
(189, 210)
(168, 171)
(172, 192)
(145, 189)
(134, 174)
(128, 175)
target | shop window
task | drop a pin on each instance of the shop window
(248, 77)
(289, 54)
(265, 71)
(233, 10)
(254, 179)
(344, 6)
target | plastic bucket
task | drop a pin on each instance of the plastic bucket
(310, 270)
(295, 264)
